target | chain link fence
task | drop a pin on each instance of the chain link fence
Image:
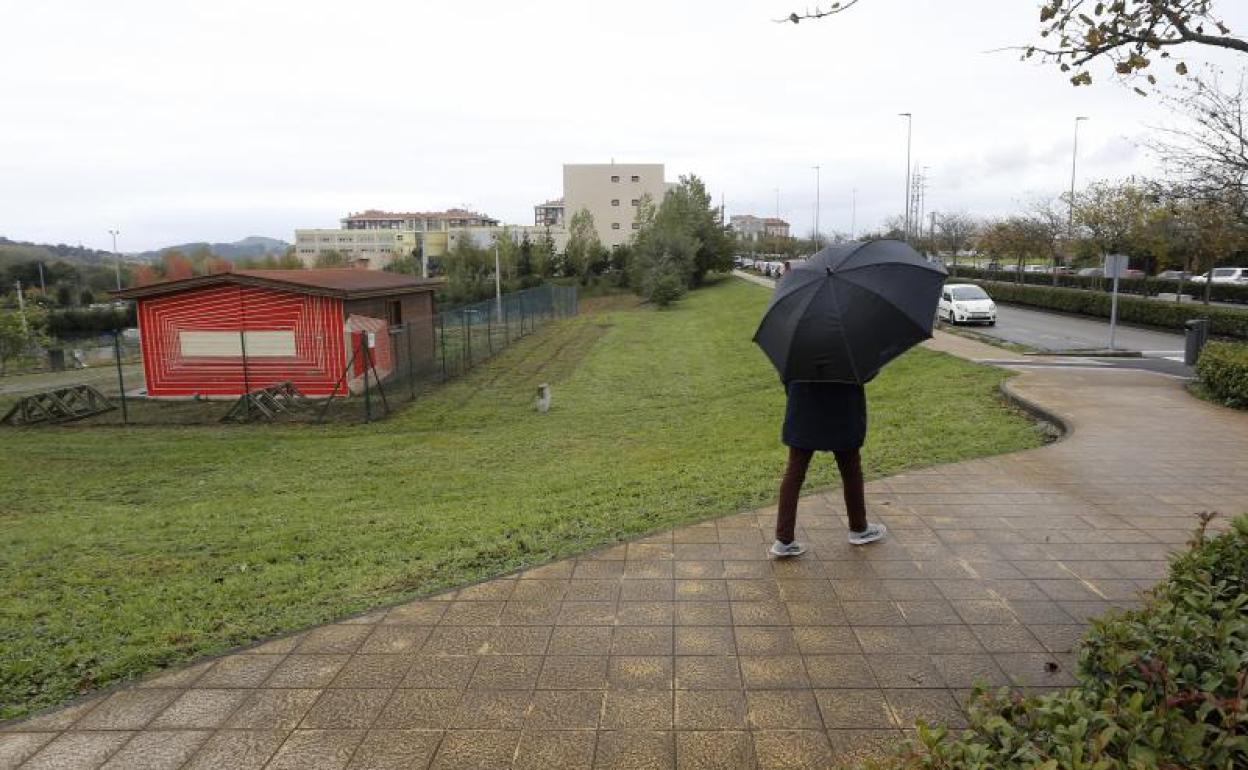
(386, 367)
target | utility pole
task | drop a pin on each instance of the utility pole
(43, 287)
(1070, 222)
(116, 257)
(498, 284)
(909, 135)
(21, 309)
(853, 214)
(817, 205)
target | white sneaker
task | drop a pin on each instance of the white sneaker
(784, 551)
(872, 533)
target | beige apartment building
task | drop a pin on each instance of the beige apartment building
(611, 192)
(752, 228)
(373, 239)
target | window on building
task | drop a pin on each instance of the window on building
(615, 225)
(615, 178)
(636, 225)
(615, 201)
(636, 178)
(394, 312)
(636, 201)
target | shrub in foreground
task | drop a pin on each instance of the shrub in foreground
(1164, 686)
(1223, 371)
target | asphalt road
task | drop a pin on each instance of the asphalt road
(1054, 332)
(1058, 332)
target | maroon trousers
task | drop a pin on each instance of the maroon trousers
(849, 462)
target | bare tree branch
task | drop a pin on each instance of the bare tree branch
(819, 13)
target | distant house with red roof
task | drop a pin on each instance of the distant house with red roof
(303, 326)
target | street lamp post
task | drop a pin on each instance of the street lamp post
(909, 135)
(116, 257)
(853, 214)
(1070, 222)
(817, 205)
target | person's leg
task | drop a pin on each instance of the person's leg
(790, 488)
(849, 461)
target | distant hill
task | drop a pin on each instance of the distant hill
(14, 252)
(253, 246)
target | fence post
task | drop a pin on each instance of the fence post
(121, 382)
(467, 341)
(523, 295)
(411, 373)
(368, 404)
(442, 338)
(489, 331)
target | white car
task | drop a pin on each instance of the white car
(1224, 275)
(966, 303)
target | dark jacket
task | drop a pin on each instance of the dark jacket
(825, 416)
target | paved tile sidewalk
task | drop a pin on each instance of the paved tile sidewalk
(691, 649)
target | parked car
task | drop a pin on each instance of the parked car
(1091, 272)
(1036, 269)
(1130, 273)
(1238, 275)
(1173, 275)
(966, 303)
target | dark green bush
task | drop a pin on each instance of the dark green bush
(70, 323)
(1223, 321)
(1223, 371)
(1163, 686)
(1149, 287)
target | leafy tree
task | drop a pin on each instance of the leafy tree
(582, 251)
(664, 251)
(544, 255)
(176, 266)
(1017, 239)
(86, 298)
(1129, 34)
(289, 261)
(1113, 217)
(524, 262)
(331, 258)
(64, 295)
(690, 202)
(144, 275)
(17, 338)
(955, 231)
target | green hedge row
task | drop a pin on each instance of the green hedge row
(1148, 287)
(1223, 370)
(1223, 321)
(1163, 686)
(69, 323)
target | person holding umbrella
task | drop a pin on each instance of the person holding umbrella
(832, 324)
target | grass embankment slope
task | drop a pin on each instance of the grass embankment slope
(125, 550)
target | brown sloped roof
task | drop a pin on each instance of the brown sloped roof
(344, 282)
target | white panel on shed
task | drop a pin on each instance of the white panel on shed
(260, 344)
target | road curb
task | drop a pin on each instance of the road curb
(1064, 426)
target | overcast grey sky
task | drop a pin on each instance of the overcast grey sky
(213, 121)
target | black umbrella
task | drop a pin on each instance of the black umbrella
(848, 310)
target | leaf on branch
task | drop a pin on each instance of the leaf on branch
(793, 17)
(1181, 68)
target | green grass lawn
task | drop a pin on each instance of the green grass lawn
(127, 550)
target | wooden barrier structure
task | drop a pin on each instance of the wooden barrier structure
(57, 406)
(266, 403)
